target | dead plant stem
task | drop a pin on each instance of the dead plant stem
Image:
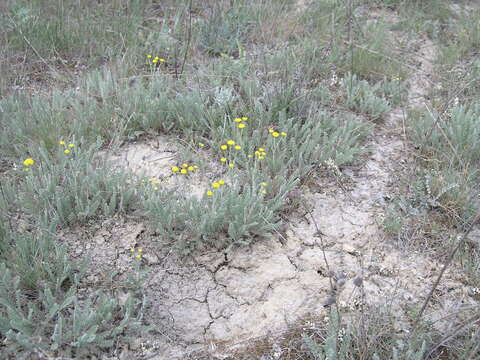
(447, 263)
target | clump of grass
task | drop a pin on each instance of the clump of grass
(73, 29)
(56, 321)
(261, 165)
(446, 192)
(361, 97)
(72, 185)
(40, 309)
(230, 214)
(457, 132)
(375, 337)
(223, 31)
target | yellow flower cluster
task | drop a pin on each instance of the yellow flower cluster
(67, 147)
(232, 145)
(27, 163)
(241, 122)
(215, 185)
(276, 133)
(260, 154)
(184, 168)
(139, 253)
(155, 60)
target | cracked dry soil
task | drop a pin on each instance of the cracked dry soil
(216, 300)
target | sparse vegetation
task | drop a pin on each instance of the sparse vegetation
(263, 103)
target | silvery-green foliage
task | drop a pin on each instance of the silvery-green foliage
(224, 30)
(57, 320)
(223, 96)
(316, 351)
(337, 344)
(361, 97)
(236, 214)
(322, 136)
(151, 106)
(340, 344)
(74, 187)
(393, 90)
(433, 132)
(37, 260)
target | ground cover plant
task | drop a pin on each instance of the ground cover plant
(258, 107)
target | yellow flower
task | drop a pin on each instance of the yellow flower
(261, 149)
(209, 193)
(215, 185)
(66, 151)
(184, 166)
(241, 126)
(175, 169)
(201, 144)
(249, 156)
(132, 250)
(155, 61)
(263, 192)
(237, 120)
(270, 131)
(263, 184)
(183, 171)
(223, 159)
(221, 182)
(237, 147)
(191, 168)
(28, 162)
(139, 256)
(275, 134)
(261, 157)
(223, 147)
(61, 142)
(140, 250)
(149, 56)
(283, 133)
(71, 146)
(161, 60)
(257, 153)
(244, 118)
(231, 165)
(195, 167)
(230, 142)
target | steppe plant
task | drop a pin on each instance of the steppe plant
(231, 213)
(223, 31)
(58, 320)
(361, 97)
(73, 185)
